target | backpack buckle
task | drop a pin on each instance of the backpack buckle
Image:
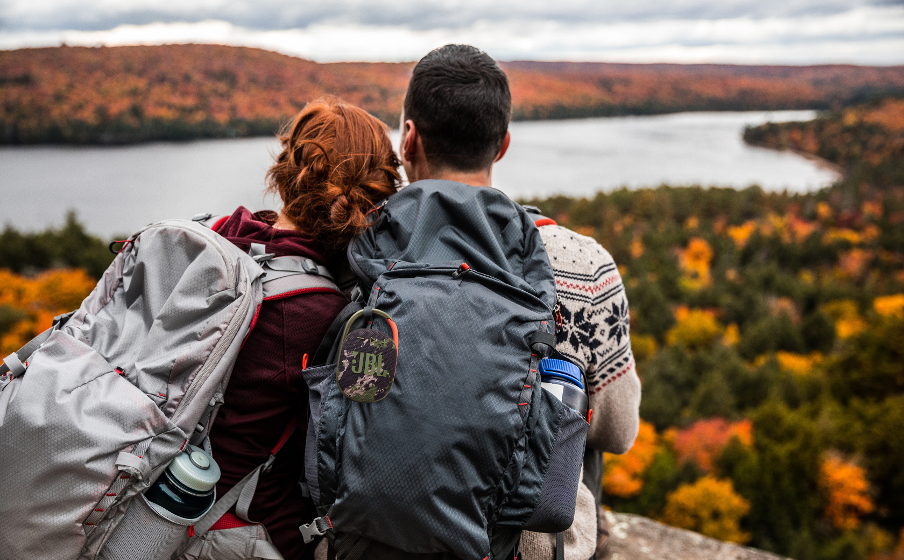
(316, 528)
(310, 266)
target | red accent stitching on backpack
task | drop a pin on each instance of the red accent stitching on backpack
(191, 530)
(523, 404)
(98, 509)
(183, 445)
(544, 222)
(527, 386)
(301, 291)
(111, 494)
(331, 524)
(304, 361)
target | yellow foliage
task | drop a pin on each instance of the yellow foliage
(623, 476)
(841, 234)
(846, 315)
(740, 234)
(846, 328)
(847, 491)
(732, 335)
(709, 506)
(643, 346)
(39, 299)
(800, 364)
(694, 328)
(890, 306)
(824, 211)
(692, 223)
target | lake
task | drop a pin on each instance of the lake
(116, 190)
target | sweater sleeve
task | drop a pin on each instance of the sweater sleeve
(595, 334)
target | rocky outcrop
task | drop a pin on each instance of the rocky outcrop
(632, 537)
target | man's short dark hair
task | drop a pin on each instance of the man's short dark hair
(460, 102)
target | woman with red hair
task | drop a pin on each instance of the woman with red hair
(336, 163)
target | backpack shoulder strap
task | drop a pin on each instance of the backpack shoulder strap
(539, 218)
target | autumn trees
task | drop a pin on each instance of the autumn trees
(171, 92)
(768, 330)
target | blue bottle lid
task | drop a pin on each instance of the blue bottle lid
(567, 371)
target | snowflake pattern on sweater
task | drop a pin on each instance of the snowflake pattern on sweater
(595, 318)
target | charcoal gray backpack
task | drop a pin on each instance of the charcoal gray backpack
(463, 449)
(94, 410)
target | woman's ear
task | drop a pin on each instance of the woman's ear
(505, 145)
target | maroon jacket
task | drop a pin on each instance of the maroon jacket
(266, 388)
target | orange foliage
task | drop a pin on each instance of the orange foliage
(702, 441)
(695, 261)
(623, 476)
(38, 300)
(740, 234)
(847, 493)
(890, 306)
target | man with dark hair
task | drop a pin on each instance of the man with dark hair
(455, 127)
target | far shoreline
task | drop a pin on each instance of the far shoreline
(119, 142)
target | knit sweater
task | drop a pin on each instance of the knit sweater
(594, 335)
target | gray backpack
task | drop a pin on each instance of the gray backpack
(94, 409)
(463, 449)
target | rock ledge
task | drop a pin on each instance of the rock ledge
(633, 537)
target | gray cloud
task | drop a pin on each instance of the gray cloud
(91, 15)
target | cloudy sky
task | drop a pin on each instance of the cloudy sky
(736, 31)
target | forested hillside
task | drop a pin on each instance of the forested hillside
(769, 335)
(133, 94)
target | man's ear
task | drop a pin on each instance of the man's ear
(505, 145)
(410, 137)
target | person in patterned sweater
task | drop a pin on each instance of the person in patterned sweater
(455, 127)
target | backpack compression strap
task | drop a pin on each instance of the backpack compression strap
(290, 275)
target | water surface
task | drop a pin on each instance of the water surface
(116, 190)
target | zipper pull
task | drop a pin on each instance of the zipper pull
(461, 270)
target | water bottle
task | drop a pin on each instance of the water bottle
(563, 379)
(157, 522)
(186, 488)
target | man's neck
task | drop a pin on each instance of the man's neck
(483, 178)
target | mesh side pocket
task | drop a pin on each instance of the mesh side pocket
(143, 534)
(555, 509)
